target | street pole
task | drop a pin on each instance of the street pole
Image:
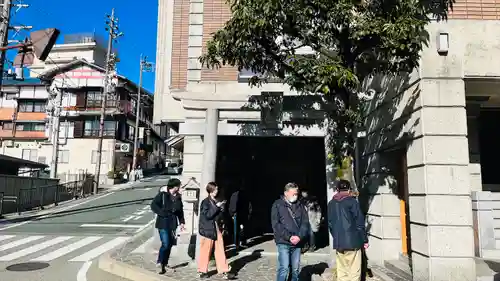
(112, 28)
(4, 32)
(56, 122)
(137, 114)
(144, 66)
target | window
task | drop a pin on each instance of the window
(7, 125)
(94, 157)
(63, 156)
(94, 98)
(32, 106)
(91, 128)
(131, 132)
(30, 154)
(10, 96)
(42, 159)
(31, 127)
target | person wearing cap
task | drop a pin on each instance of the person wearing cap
(167, 205)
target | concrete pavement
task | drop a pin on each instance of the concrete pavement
(64, 243)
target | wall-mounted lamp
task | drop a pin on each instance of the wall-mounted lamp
(443, 43)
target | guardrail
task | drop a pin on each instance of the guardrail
(32, 198)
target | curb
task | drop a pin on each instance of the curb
(127, 271)
(134, 273)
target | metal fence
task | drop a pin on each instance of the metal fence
(31, 198)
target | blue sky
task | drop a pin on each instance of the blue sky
(137, 20)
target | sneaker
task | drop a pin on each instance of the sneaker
(228, 276)
(203, 275)
(167, 269)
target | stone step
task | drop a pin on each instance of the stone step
(491, 254)
(400, 268)
(487, 270)
(497, 233)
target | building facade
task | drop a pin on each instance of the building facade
(429, 135)
(27, 121)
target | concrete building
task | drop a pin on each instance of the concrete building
(27, 126)
(430, 136)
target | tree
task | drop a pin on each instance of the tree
(350, 41)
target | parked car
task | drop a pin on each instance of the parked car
(174, 169)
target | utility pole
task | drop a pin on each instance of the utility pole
(113, 34)
(144, 66)
(5, 6)
(56, 122)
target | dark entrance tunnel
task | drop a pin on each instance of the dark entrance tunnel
(264, 165)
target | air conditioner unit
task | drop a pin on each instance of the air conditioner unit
(9, 143)
(124, 147)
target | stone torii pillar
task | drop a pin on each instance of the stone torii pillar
(209, 159)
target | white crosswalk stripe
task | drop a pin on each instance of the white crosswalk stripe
(67, 249)
(51, 247)
(35, 248)
(19, 242)
(6, 237)
(100, 250)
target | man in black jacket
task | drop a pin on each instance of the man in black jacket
(240, 210)
(291, 227)
(167, 205)
(347, 227)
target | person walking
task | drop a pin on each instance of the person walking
(314, 214)
(169, 210)
(240, 210)
(210, 230)
(347, 227)
(291, 227)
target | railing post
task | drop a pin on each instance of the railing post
(56, 196)
(18, 202)
(1, 204)
(42, 193)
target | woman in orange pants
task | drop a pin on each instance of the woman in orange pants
(210, 231)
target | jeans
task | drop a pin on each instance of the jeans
(238, 233)
(166, 246)
(288, 256)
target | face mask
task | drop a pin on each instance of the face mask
(292, 199)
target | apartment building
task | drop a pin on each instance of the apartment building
(27, 117)
(430, 144)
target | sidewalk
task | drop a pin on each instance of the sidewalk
(48, 209)
(134, 262)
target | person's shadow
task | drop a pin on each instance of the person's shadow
(238, 264)
(309, 270)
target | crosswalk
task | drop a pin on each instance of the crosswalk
(48, 248)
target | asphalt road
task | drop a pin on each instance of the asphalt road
(65, 244)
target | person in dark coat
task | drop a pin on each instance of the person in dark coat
(290, 226)
(240, 210)
(210, 230)
(347, 227)
(167, 205)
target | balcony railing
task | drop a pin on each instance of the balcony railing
(95, 133)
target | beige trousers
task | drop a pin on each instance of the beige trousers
(349, 265)
(206, 246)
